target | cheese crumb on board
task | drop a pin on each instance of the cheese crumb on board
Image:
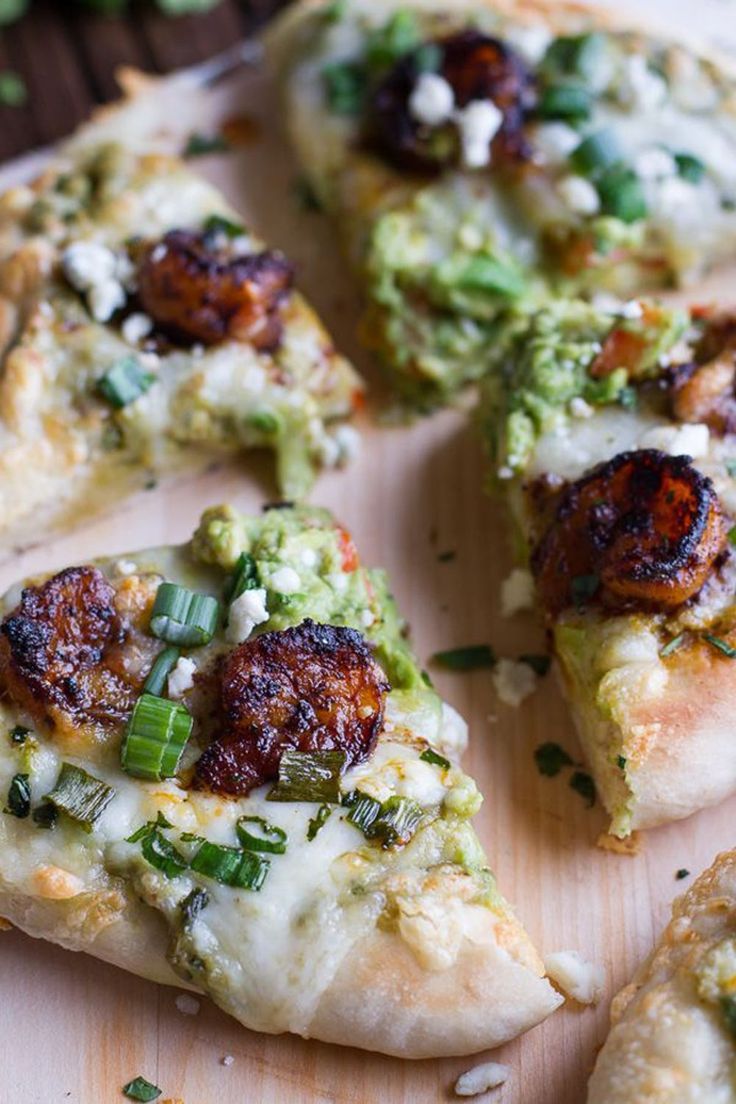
(187, 1004)
(581, 980)
(517, 592)
(482, 1078)
(227, 1060)
(513, 681)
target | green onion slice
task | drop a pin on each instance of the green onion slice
(393, 821)
(565, 101)
(622, 194)
(81, 796)
(141, 1090)
(309, 776)
(45, 816)
(244, 577)
(155, 738)
(218, 224)
(181, 616)
(431, 756)
(159, 822)
(596, 152)
(672, 645)
(469, 658)
(721, 645)
(256, 834)
(690, 167)
(318, 821)
(125, 382)
(192, 905)
(231, 866)
(163, 664)
(19, 796)
(162, 854)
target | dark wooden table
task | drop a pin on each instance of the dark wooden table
(68, 56)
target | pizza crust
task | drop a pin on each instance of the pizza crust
(667, 1046)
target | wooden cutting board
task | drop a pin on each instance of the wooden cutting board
(76, 1030)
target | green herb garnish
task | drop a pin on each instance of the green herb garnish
(672, 645)
(470, 658)
(621, 762)
(19, 796)
(309, 776)
(431, 756)
(318, 821)
(164, 662)
(551, 758)
(80, 796)
(141, 1090)
(155, 738)
(682, 873)
(721, 645)
(690, 167)
(199, 145)
(393, 821)
(125, 382)
(540, 664)
(583, 784)
(256, 834)
(218, 224)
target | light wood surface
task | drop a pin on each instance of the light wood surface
(76, 1030)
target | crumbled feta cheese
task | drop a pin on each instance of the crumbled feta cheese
(581, 980)
(676, 197)
(348, 441)
(339, 581)
(104, 299)
(181, 677)
(187, 1004)
(655, 163)
(227, 1060)
(554, 142)
(530, 42)
(513, 681)
(678, 440)
(579, 408)
(631, 310)
(367, 618)
(517, 592)
(125, 567)
(579, 195)
(87, 263)
(135, 327)
(309, 557)
(159, 252)
(247, 611)
(285, 580)
(482, 1078)
(432, 100)
(453, 735)
(607, 303)
(641, 89)
(478, 124)
(505, 472)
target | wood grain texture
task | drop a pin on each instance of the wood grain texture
(75, 1031)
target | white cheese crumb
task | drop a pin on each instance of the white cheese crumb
(135, 327)
(104, 299)
(679, 440)
(453, 734)
(513, 681)
(581, 980)
(554, 142)
(181, 677)
(309, 557)
(432, 100)
(631, 310)
(655, 163)
(579, 408)
(125, 567)
(285, 580)
(531, 42)
(641, 89)
(367, 618)
(187, 1004)
(676, 197)
(87, 263)
(517, 592)
(482, 1078)
(348, 441)
(478, 124)
(159, 253)
(247, 611)
(505, 472)
(227, 1060)
(579, 195)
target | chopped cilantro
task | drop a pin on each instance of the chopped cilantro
(582, 588)
(722, 645)
(140, 1089)
(13, 90)
(682, 873)
(318, 821)
(469, 658)
(199, 145)
(551, 758)
(430, 756)
(672, 645)
(218, 224)
(540, 664)
(583, 784)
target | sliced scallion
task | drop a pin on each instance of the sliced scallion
(690, 167)
(318, 821)
(192, 905)
(80, 795)
(155, 738)
(244, 577)
(231, 866)
(720, 645)
(309, 776)
(19, 734)
(574, 55)
(124, 382)
(218, 224)
(19, 796)
(565, 101)
(161, 853)
(181, 616)
(156, 681)
(141, 1090)
(470, 658)
(622, 194)
(45, 816)
(392, 821)
(596, 152)
(256, 834)
(431, 756)
(672, 645)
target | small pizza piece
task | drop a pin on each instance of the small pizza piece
(673, 1034)
(609, 429)
(221, 767)
(145, 329)
(482, 157)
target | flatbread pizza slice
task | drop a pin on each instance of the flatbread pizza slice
(613, 433)
(481, 156)
(145, 329)
(673, 1039)
(222, 768)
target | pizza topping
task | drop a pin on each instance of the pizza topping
(80, 796)
(312, 688)
(705, 390)
(644, 527)
(99, 274)
(73, 652)
(181, 616)
(155, 738)
(309, 776)
(458, 99)
(197, 288)
(391, 822)
(125, 382)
